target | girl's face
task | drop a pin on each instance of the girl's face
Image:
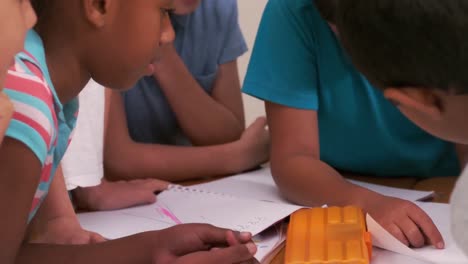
(184, 7)
(16, 18)
(123, 51)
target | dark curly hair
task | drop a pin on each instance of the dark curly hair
(412, 43)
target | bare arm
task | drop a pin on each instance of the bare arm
(19, 184)
(304, 178)
(183, 244)
(56, 221)
(295, 160)
(57, 203)
(205, 119)
(126, 159)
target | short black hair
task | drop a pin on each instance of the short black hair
(327, 9)
(398, 43)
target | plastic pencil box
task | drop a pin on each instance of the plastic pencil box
(334, 235)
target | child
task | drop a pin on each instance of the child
(114, 42)
(416, 51)
(325, 117)
(16, 18)
(186, 120)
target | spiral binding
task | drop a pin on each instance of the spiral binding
(180, 188)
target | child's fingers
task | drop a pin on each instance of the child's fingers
(143, 197)
(412, 232)
(260, 121)
(396, 232)
(157, 185)
(236, 238)
(151, 184)
(425, 223)
(234, 254)
(232, 239)
(202, 237)
(96, 238)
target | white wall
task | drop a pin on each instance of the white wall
(250, 12)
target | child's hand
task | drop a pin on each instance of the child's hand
(405, 220)
(198, 243)
(6, 112)
(118, 195)
(254, 145)
(66, 231)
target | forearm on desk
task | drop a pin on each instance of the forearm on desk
(135, 250)
(311, 182)
(170, 163)
(127, 159)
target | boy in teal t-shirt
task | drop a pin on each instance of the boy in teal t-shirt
(324, 116)
(416, 52)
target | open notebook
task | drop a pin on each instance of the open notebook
(246, 202)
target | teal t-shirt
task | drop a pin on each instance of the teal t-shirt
(298, 62)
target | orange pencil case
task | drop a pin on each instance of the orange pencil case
(334, 235)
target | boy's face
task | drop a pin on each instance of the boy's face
(127, 40)
(184, 7)
(437, 112)
(16, 18)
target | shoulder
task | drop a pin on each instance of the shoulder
(300, 10)
(34, 117)
(218, 14)
(26, 79)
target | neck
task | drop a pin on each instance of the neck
(63, 61)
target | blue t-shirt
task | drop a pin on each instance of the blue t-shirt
(205, 39)
(298, 62)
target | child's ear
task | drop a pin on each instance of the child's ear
(97, 11)
(424, 101)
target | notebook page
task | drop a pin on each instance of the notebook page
(187, 205)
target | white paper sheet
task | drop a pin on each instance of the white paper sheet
(186, 205)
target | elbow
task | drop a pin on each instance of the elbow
(291, 186)
(285, 186)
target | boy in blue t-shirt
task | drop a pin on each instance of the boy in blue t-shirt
(324, 117)
(416, 52)
(187, 118)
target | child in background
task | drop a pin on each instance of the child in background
(16, 17)
(55, 66)
(325, 118)
(187, 120)
(415, 51)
